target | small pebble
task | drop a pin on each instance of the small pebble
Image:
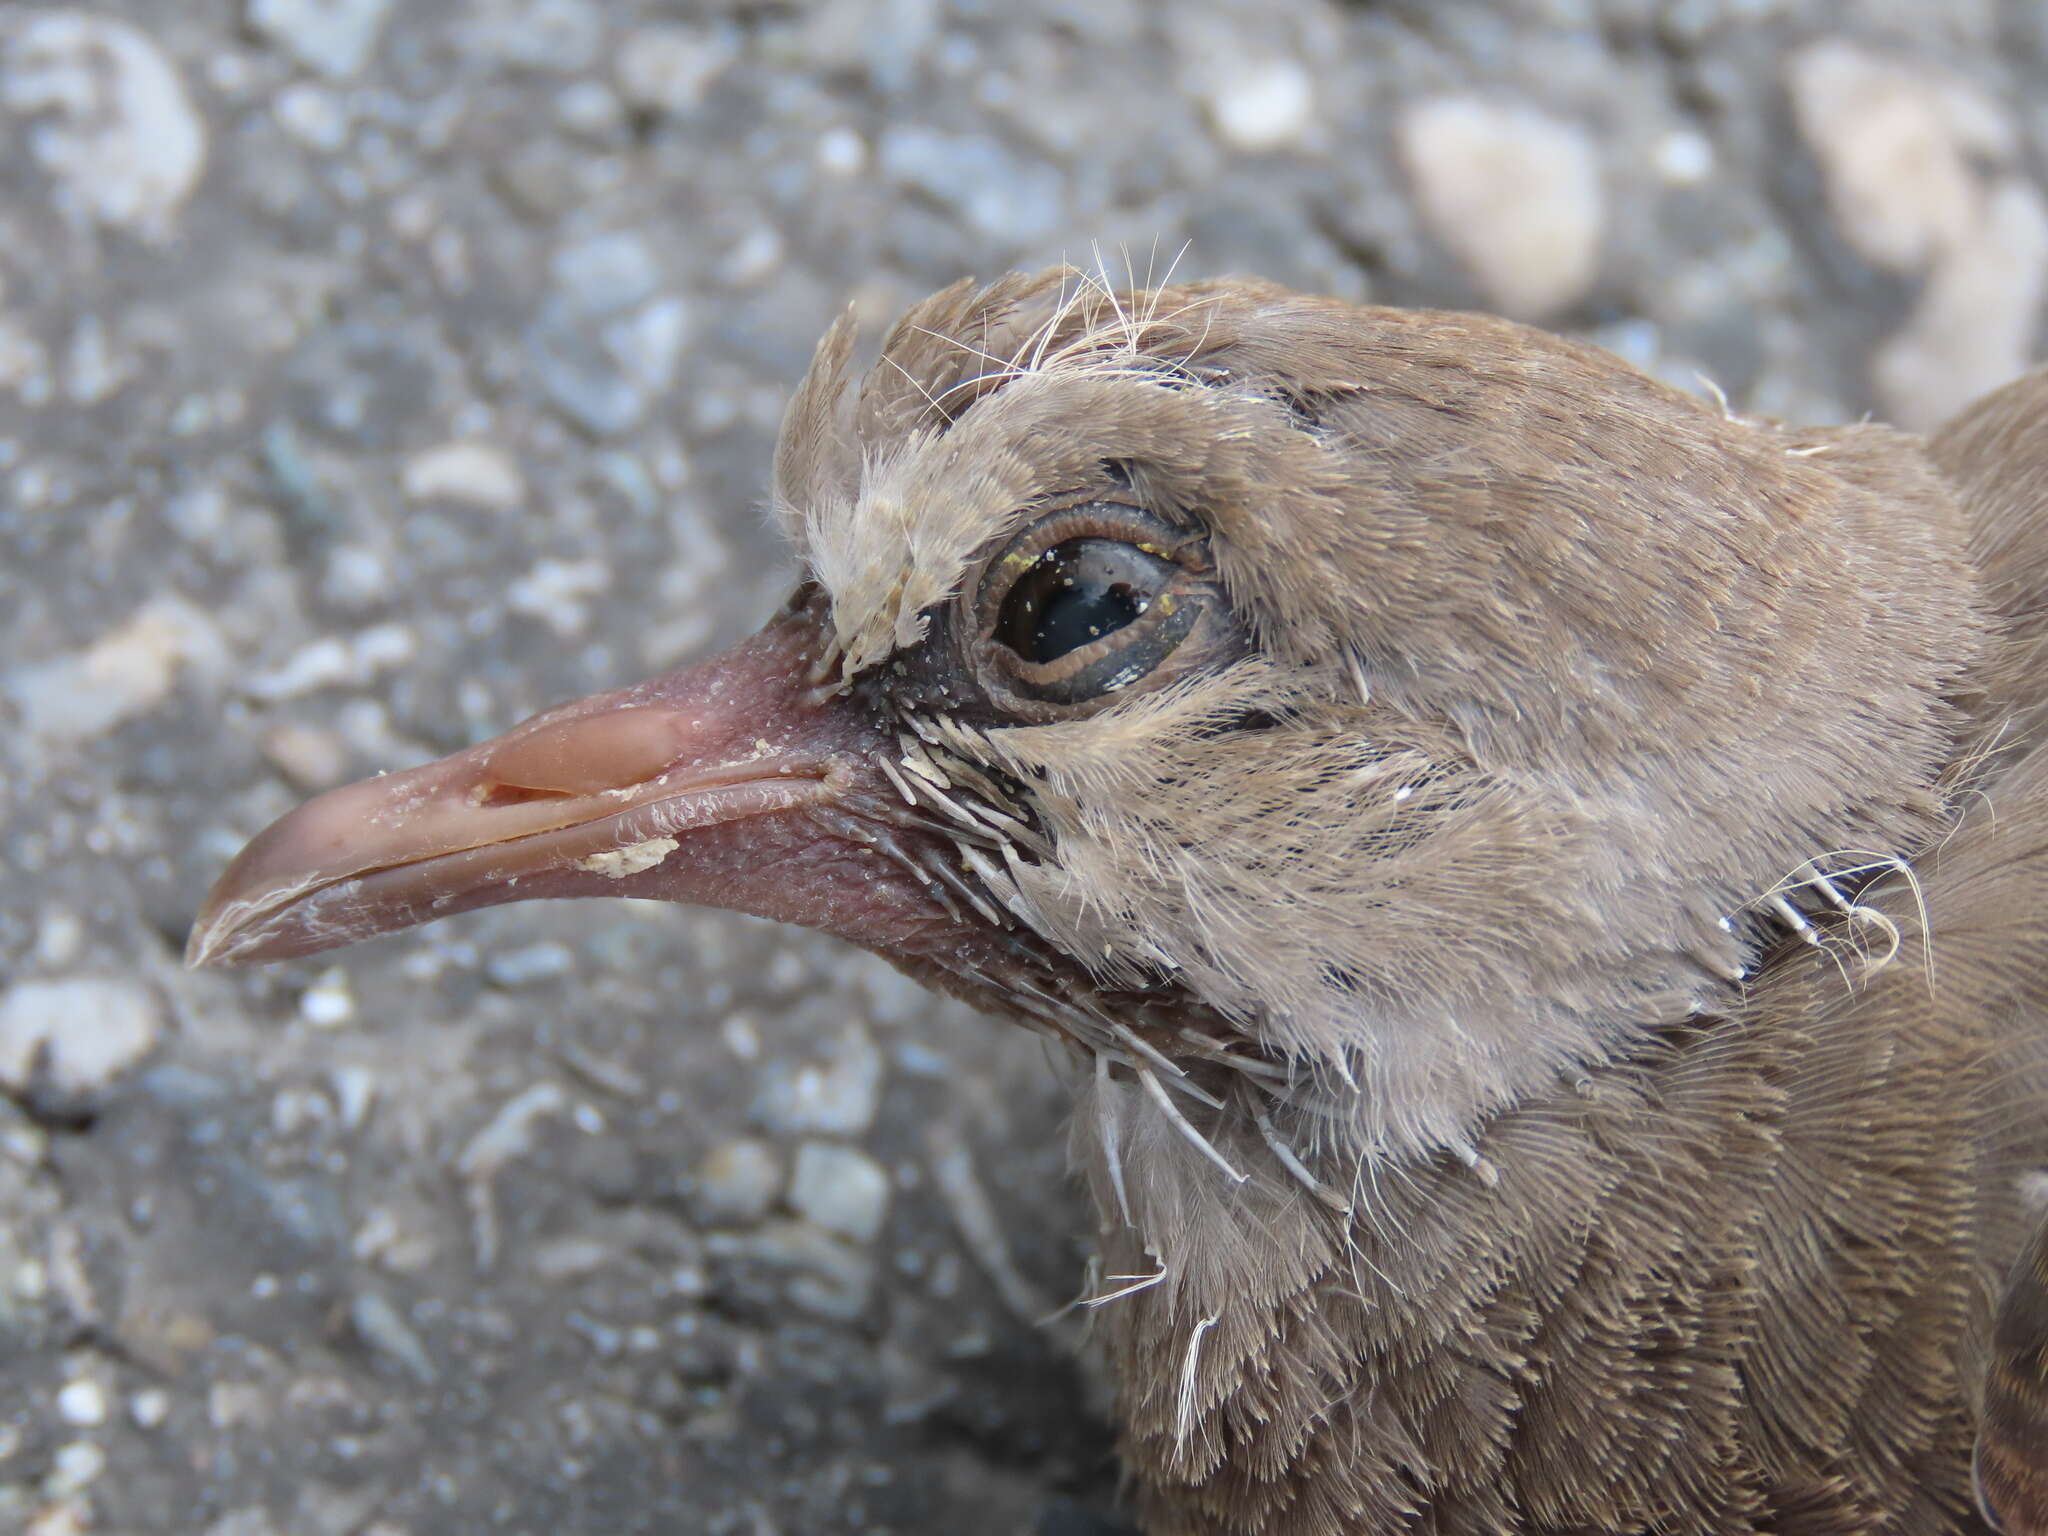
(1922, 180)
(381, 1326)
(741, 1037)
(1513, 193)
(735, 1183)
(478, 474)
(311, 115)
(1263, 105)
(668, 67)
(1894, 147)
(355, 1090)
(557, 592)
(511, 1130)
(840, 1189)
(335, 37)
(842, 152)
(76, 1463)
(22, 1141)
(836, 1096)
(334, 660)
(149, 1407)
(93, 370)
(312, 758)
(530, 964)
(1683, 158)
(590, 108)
(355, 577)
(571, 1258)
(330, 1002)
(82, 1402)
(606, 273)
(758, 253)
(126, 672)
(83, 1031)
(117, 128)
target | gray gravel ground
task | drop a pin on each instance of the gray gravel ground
(374, 374)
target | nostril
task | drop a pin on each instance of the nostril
(491, 797)
(583, 754)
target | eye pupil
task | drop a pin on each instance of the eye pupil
(1086, 604)
(1074, 594)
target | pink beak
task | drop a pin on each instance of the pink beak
(735, 783)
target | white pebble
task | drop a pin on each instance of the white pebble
(758, 253)
(741, 1037)
(590, 108)
(841, 152)
(1513, 193)
(84, 1031)
(24, 362)
(544, 961)
(356, 577)
(117, 129)
(333, 660)
(1894, 149)
(735, 1183)
(311, 114)
(647, 343)
(76, 1464)
(510, 1132)
(1922, 180)
(31, 1280)
(478, 474)
(59, 937)
(555, 592)
(837, 1095)
(336, 37)
(126, 672)
(563, 1259)
(1683, 158)
(1973, 327)
(330, 1002)
(82, 1402)
(1263, 105)
(149, 1407)
(93, 370)
(840, 1189)
(310, 757)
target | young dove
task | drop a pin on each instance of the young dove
(1544, 881)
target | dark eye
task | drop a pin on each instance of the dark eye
(1077, 592)
(1089, 602)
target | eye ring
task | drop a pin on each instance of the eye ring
(1090, 603)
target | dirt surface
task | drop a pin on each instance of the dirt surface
(374, 374)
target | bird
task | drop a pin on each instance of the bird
(1540, 881)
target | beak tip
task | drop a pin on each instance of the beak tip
(206, 946)
(226, 933)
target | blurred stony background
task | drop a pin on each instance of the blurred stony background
(373, 374)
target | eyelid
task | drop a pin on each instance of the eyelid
(1186, 622)
(1098, 517)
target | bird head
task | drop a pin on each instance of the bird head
(1388, 713)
